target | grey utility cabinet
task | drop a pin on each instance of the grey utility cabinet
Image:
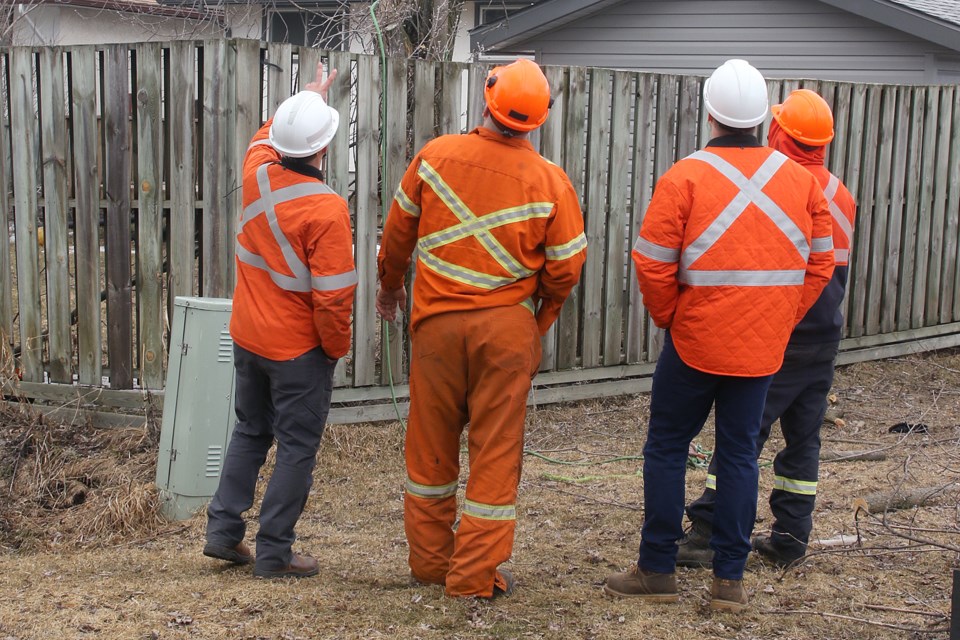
(198, 412)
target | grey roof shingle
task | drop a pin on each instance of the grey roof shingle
(946, 10)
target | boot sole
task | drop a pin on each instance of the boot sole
(220, 552)
(649, 597)
(727, 606)
(260, 573)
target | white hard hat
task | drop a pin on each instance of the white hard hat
(303, 125)
(736, 95)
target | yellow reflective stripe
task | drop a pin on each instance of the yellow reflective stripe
(489, 511)
(405, 203)
(566, 250)
(464, 214)
(802, 487)
(528, 304)
(487, 222)
(711, 481)
(431, 491)
(462, 274)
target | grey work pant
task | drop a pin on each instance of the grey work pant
(286, 401)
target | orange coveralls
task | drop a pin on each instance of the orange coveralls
(500, 244)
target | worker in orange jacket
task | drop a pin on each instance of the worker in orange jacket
(802, 127)
(734, 248)
(500, 244)
(290, 324)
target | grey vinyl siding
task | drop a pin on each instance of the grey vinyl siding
(783, 38)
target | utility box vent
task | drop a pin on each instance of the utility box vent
(198, 412)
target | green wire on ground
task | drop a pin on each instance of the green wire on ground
(383, 200)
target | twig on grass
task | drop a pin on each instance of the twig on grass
(612, 503)
(876, 623)
(877, 607)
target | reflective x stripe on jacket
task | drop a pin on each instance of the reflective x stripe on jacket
(294, 256)
(301, 280)
(751, 191)
(490, 223)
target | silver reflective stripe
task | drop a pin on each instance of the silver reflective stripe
(841, 256)
(819, 245)
(779, 278)
(489, 221)
(431, 491)
(656, 252)
(489, 511)
(287, 283)
(802, 487)
(290, 256)
(840, 220)
(332, 283)
(711, 481)
(528, 305)
(463, 213)
(566, 250)
(302, 281)
(265, 142)
(406, 203)
(751, 191)
(282, 195)
(462, 274)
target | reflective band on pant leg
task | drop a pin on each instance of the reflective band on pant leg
(803, 487)
(490, 511)
(711, 481)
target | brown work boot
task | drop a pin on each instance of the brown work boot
(646, 585)
(239, 554)
(299, 567)
(728, 595)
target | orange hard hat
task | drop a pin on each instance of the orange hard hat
(805, 117)
(518, 95)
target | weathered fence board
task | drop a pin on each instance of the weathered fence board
(182, 185)
(23, 120)
(367, 212)
(6, 272)
(574, 162)
(86, 142)
(117, 161)
(908, 242)
(164, 165)
(617, 219)
(53, 137)
(642, 165)
(149, 216)
(595, 214)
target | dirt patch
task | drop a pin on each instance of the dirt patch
(104, 565)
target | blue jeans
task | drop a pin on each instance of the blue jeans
(680, 404)
(286, 401)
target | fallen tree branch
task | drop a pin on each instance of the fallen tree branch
(898, 499)
(877, 607)
(826, 455)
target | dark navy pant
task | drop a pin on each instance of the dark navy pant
(680, 403)
(286, 401)
(798, 397)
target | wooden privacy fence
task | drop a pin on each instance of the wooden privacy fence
(120, 187)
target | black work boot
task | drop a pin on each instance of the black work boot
(772, 553)
(693, 549)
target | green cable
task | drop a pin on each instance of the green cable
(383, 200)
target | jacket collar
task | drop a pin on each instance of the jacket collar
(487, 134)
(296, 165)
(735, 140)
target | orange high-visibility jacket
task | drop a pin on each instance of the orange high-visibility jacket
(494, 224)
(295, 270)
(734, 248)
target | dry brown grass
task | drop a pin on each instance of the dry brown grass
(106, 568)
